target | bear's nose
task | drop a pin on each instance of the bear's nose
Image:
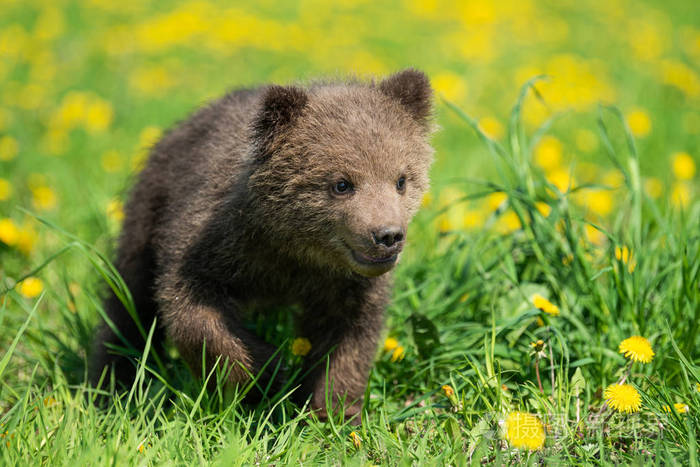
(388, 236)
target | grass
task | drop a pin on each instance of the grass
(511, 216)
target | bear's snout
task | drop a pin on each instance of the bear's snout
(389, 237)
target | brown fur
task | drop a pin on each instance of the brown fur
(236, 207)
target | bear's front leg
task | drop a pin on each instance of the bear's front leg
(195, 327)
(343, 333)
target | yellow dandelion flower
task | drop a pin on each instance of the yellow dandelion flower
(538, 345)
(623, 398)
(524, 431)
(625, 255)
(43, 198)
(679, 408)
(115, 210)
(427, 200)
(680, 194)
(5, 189)
(98, 115)
(390, 344)
(450, 85)
(683, 166)
(447, 389)
(8, 148)
(508, 222)
(491, 127)
(398, 354)
(356, 440)
(697, 386)
(599, 201)
(639, 122)
(26, 239)
(543, 208)
(301, 346)
(31, 287)
(637, 349)
(496, 200)
(545, 305)
(9, 233)
(548, 153)
(594, 235)
(562, 179)
(472, 218)
(50, 402)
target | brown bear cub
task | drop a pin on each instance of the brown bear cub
(275, 195)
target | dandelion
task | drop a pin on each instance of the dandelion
(594, 235)
(143, 446)
(472, 218)
(561, 179)
(301, 346)
(543, 208)
(623, 398)
(548, 153)
(639, 122)
(680, 194)
(8, 148)
(697, 386)
(115, 210)
(98, 115)
(450, 85)
(447, 389)
(524, 431)
(538, 345)
(390, 344)
(678, 408)
(26, 239)
(31, 287)
(43, 198)
(495, 200)
(8, 232)
(508, 222)
(50, 402)
(491, 127)
(355, 438)
(683, 166)
(599, 202)
(545, 305)
(637, 349)
(398, 354)
(623, 254)
(5, 189)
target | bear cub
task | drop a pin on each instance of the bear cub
(280, 195)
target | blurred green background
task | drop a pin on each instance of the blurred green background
(87, 86)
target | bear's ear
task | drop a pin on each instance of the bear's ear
(412, 89)
(280, 106)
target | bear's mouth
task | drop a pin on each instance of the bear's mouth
(373, 260)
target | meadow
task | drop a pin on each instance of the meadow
(546, 310)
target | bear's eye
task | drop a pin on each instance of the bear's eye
(343, 187)
(401, 184)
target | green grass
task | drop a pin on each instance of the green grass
(462, 308)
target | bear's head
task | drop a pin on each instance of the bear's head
(341, 168)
